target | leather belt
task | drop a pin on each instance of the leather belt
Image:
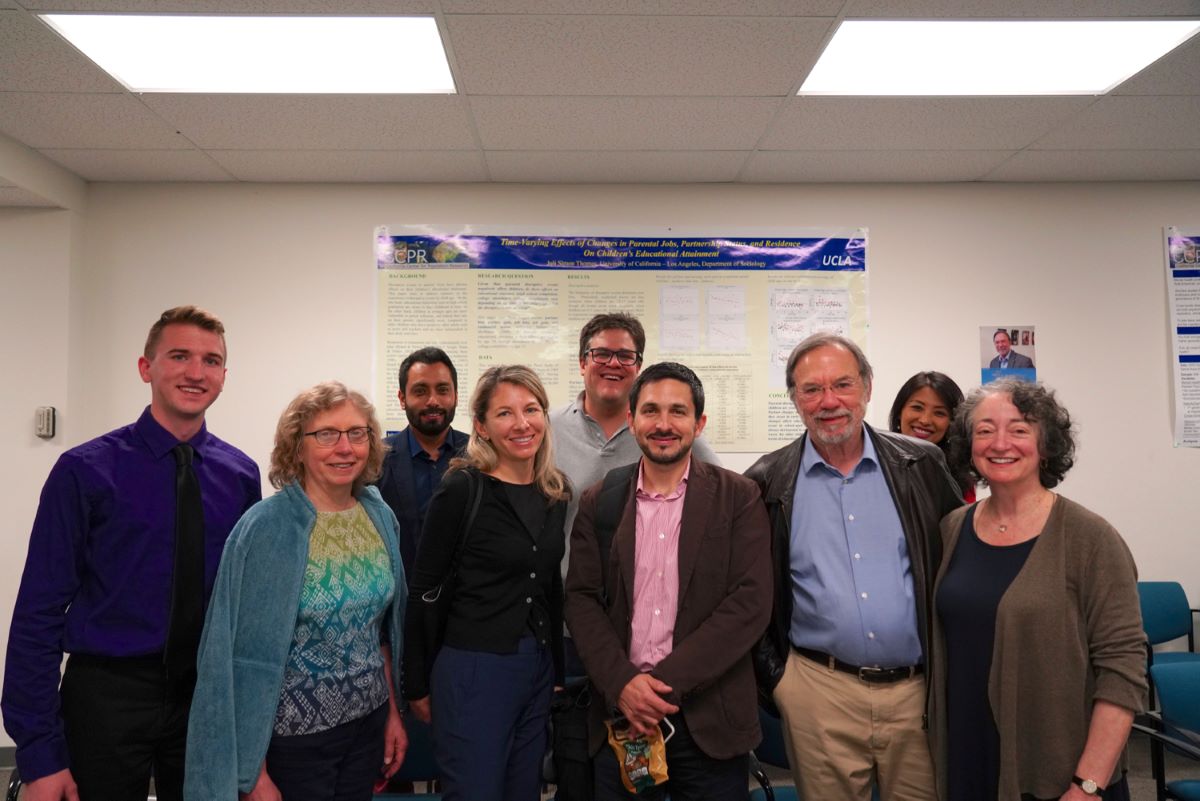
(874, 675)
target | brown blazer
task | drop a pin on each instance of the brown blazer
(724, 606)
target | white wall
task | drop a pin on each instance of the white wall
(36, 252)
(289, 269)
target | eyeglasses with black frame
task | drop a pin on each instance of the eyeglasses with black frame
(625, 358)
(328, 437)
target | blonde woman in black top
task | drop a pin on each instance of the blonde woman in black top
(488, 687)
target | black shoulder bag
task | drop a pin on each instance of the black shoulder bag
(435, 602)
(570, 764)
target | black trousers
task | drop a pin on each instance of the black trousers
(692, 774)
(338, 764)
(124, 722)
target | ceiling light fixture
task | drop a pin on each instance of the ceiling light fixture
(1011, 57)
(263, 55)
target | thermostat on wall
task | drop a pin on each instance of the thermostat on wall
(44, 424)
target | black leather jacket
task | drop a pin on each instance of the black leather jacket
(924, 492)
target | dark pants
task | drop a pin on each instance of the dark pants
(489, 721)
(124, 721)
(692, 774)
(338, 764)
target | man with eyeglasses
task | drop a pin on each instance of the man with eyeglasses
(854, 516)
(121, 562)
(419, 455)
(591, 433)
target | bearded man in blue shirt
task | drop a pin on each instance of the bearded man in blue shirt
(122, 557)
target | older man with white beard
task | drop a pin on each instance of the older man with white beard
(854, 517)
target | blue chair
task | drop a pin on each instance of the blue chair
(1177, 727)
(1166, 616)
(419, 766)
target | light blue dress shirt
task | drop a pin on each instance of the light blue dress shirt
(852, 586)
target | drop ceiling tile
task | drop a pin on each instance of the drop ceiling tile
(1003, 9)
(237, 6)
(1100, 165)
(318, 122)
(622, 123)
(339, 166)
(628, 55)
(1177, 73)
(824, 166)
(695, 8)
(916, 123)
(607, 167)
(1130, 123)
(138, 165)
(34, 58)
(14, 196)
(66, 120)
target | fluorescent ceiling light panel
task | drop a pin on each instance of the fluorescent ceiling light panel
(263, 55)
(912, 57)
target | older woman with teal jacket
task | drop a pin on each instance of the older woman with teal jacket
(299, 662)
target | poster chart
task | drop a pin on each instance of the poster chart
(1183, 293)
(730, 308)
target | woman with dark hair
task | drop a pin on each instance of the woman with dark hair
(1038, 656)
(297, 692)
(924, 408)
(487, 686)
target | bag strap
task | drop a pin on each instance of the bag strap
(475, 490)
(609, 506)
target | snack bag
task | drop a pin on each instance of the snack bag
(642, 758)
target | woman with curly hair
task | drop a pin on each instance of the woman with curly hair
(300, 660)
(1038, 656)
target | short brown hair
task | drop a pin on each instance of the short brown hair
(608, 322)
(182, 315)
(286, 465)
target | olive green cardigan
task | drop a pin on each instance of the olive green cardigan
(1068, 633)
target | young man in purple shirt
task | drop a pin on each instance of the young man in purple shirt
(99, 578)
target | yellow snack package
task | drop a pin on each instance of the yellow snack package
(642, 758)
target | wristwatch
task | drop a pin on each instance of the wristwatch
(1088, 786)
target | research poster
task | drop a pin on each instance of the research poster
(731, 308)
(1183, 291)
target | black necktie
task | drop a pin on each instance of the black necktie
(187, 587)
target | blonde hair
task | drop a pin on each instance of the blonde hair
(481, 454)
(286, 464)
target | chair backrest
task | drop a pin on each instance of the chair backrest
(1178, 685)
(419, 763)
(1165, 612)
(771, 750)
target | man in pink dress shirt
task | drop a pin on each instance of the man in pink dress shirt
(666, 630)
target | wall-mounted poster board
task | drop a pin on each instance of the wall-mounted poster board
(1183, 294)
(731, 308)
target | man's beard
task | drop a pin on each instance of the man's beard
(430, 428)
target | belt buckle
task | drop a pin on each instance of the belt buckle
(873, 674)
